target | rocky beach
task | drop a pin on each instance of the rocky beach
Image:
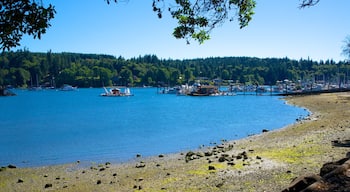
(269, 161)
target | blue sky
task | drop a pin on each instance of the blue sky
(130, 29)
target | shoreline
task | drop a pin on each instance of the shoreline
(264, 162)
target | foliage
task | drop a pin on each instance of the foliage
(308, 3)
(19, 17)
(22, 68)
(198, 17)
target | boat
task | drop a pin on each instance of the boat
(205, 90)
(6, 92)
(35, 88)
(171, 90)
(116, 92)
(67, 87)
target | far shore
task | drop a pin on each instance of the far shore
(265, 162)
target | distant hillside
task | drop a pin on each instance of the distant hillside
(25, 69)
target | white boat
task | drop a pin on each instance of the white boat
(67, 87)
(116, 92)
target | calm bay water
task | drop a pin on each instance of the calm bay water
(54, 127)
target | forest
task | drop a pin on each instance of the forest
(24, 69)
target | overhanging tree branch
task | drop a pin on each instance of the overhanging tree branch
(308, 3)
(19, 17)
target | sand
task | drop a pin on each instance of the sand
(265, 162)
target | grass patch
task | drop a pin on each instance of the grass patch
(296, 154)
(204, 170)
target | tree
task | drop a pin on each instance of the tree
(196, 18)
(346, 47)
(19, 17)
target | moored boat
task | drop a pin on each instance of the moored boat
(116, 92)
(205, 90)
(67, 87)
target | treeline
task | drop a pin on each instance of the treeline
(24, 69)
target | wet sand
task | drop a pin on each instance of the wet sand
(265, 162)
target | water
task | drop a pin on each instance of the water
(54, 127)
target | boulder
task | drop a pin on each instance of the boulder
(333, 177)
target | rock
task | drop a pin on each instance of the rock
(48, 185)
(20, 181)
(102, 169)
(333, 177)
(188, 156)
(208, 153)
(219, 185)
(11, 166)
(200, 154)
(140, 165)
(328, 167)
(301, 183)
(210, 168)
(98, 182)
(222, 159)
(161, 156)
